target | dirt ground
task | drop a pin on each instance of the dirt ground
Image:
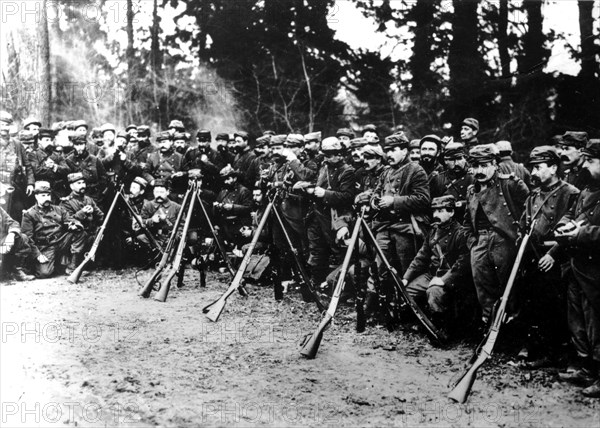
(96, 354)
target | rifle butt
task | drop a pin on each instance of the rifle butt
(216, 309)
(76, 274)
(149, 285)
(462, 389)
(163, 291)
(310, 347)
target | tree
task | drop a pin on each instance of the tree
(589, 65)
(45, 92)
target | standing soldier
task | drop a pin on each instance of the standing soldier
(28, 139)
(572, 160)
(263, 152)
(544, 292)
(414, 150)
(429, 150)
(245, 160)
(469, 130)
(49, 165)
(225, 157)
(506, 164)
(310, 156)
(53, 233)
(132, 130)
(32, 125)
(176, 126)
(233, 206)
(15, 171)
(181, 142)
(204, 159)
(494, 206)
(356, 159)
(332, 197)
(144, 148)
(370, 133)
(14, 248)
(345, 135)
(579, 231)
(164, 163)
(159, 215)
(80, 160)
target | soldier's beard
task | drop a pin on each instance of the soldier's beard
(222, 148)
(437, 220)
(427, 160)
(46, 204)
(180, 150)
(81, 191)
(160, 199)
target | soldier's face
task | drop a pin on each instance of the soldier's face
(396, 155)
(45, 143)
(414, 154)
(442, 215)
(135, 189)
(165, 145)
(371, 137)
(344, 139)
(357, 156)
(35, 128)
(43, 199)
(108, 136)
(79, 186)
(240, 144)
(221, 145)
(257, 196)
(333, 159)
(181, 145)
(230, 181)
(371, 162)
(79, 148)
(312, 146)
(4, 128)
(277, 152)
(429, 152)
(593, 166)
(133, 132)
(160, 194)
(570, 155)
(456, 164)
(541, 173)
(120, 142)
(82, 130)
(466, 133)
(261, 150)
(484, 171)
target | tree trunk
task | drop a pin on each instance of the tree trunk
(589, 66)
(420, 62)
(45, 94)
(503, 39)
(156, 63)
(535, 54)
(131, 69)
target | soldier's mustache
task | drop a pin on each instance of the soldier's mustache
(426, 158)
(479, 175)
(436, 220)
(46, 203)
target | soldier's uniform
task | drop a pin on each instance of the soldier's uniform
(15, 257)
(161, 230)
(209, 167)
(56, 174)
(247, 165)
(491, 221)
(583, 295)
(444, 254)
(93, 173)
(506, 164)
(162, 165)
(144, 148)
(231, 221)
(47, 228)
(433, 169)
(575, 174)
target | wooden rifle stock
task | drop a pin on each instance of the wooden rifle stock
(91, 255)
(310, 344)
(175, 265)
(462, 388)
(141, 224)
(214, 309)
(149, 285)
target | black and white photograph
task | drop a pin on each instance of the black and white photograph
(299, 213)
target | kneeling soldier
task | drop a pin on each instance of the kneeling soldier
(14, 248)
(159, 215)
(441, 266)
(52, 232)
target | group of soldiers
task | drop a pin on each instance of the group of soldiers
(449, 215)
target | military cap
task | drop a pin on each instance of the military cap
(294, 140)
(107, 127)
(204, 136)
(45, 132)
(446, 201)
(278, 140)
(483, 153)
(41, 187)
(78, 123)
(454, 151)
(27, 137)
(396, 140)
(504, 146)
(369, 128)
(431, 139)
(6, 117)
(222, 136)
(345, 132)
(575, 139)
(130, 127)
(183, 136)
(373, 150)
(164, 136)
(269, 132)
(159, 182)
(242, 134)
(143, 131)
(141, 181)
(592, 148)
(263, 140)
(123, 134)
(228, 171)
(312, 136)
(75, 176)
(414, 144)
(357, 143)
(471, 123)
(177, 124)
(332, 145)
(78, 139)
(544, 154)
(31, 121)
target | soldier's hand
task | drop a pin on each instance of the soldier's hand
(227, 207)
(29, 190)
(156, 218)
(178, 174)
(42, 259)
(88, 209)
(363, 198)
(246, 232)
(436, 280)
(546, 263)
(341, 234)
(204, 158)
(9, 241)
(49, 163)
(386, 201)
(319, 192)
(405, 282)
(123, 155)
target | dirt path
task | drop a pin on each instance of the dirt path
(95, 354)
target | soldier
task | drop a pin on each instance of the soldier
(80, 160)
(440, 271)
(370, 133)
(14, 248)
(224, 155)
(572, 160)
(494, 206)
(131, 228)
(96, 141)
(203, 158)
(356, 159)
(53, 233)
(108, 134)
(579, 231)
(181, 142)
(414, 150)
(506, 165)
(144, 148)
(455, 179)
(245, 160)
(332, 197)
(15, 171)
(32, 125)
(263, 151)
(159, 215)
(176, 126)
(49, 165)
(429, 150)
(232, 207)
(118, 165)
(28, 139)
(132, 130)
(164, 163)
(312, 144)
(468, 132)
(84, 209)
(345, 135)
(545, 289)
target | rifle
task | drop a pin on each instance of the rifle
(149, 285)
(401, 290)
(463, 386)
(91, 255)
(141, 224)
(311, 342)
(214, 309)
(175, 265)
(308, 290)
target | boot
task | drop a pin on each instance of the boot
(581, 373)
(75, 261)
(593, 391)
(20, 275)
